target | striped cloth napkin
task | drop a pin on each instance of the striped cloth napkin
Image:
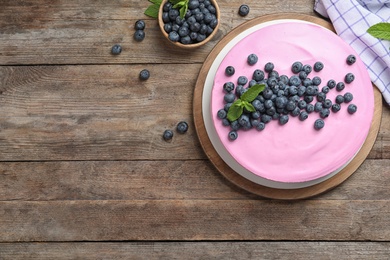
(351, 19)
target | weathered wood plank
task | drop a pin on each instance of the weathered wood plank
(148, 180)
(197, 250)
(93, 112)
(194, 220)
(82, 32)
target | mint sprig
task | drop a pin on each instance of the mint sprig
(237, 108)
(380, 31)
(153, 9)
(182, 5)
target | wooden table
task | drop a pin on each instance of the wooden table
(85, 173)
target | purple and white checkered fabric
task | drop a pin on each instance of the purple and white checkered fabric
(351, 19)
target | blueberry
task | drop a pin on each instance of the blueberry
(193, 36)
(167, 6)
(296, 67)
(258, 75)
(144, 74)
(191, 20)
(307, 68)
(201, 37)
(258, 105)
(255, 115)
(272, 82)
(271, 111)
(193, 4)
(290, 106)
(203, 29)
(175, 27)
(243, 10)
(352, 108)
(283, 79)
(213, 23)
(228, 87)
(283, 119)
(319, 124)
(316, 81)
(267, 93)
(233, 135)
(293, 90)
(318, 107)
(309, 108)
(172, 14)
(229, 97)
(339, 99)
(281, 102)
(324, 113)
(302, 75)
(183, 31)
(295, 80)
(167, 135)
(168, 27)
(212, 9)
(243, 120)
(221, 113)
(351, 59)
(349, 78)
(318, 66)
(116, 49)
(208, 17)
(255, 122)
(327, 103)
(310, 90)
(266, 118)
(321, 96)
(242, 80)
(139, 35)
(195, 27)
(303, 115)
(182, 127)
(325, 89)
(340, 86)
(308, 99)
(336, 107)
(199, 17)
(186, 39)
(331, 83)
(260, 127)
(229, 71)
(268, 103)
(302, 104)
(348, 97)
(165, 17)
(174, 36)
(235, 125)
(139, 25)
(252, 82)
(269, 66)
(240, 90)
(225, 122)
(307, 82)
(252, 59)
(274, 74)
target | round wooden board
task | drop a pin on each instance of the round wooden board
(237, 179)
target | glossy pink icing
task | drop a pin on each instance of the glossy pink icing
(296, 152)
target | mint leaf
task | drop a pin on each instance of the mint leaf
(252, 92)
(157, 2)
(152, 10)
(248, 106)
(183, 11)
(235, 110)
(380, 31)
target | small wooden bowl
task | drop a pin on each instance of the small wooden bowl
(192, 45)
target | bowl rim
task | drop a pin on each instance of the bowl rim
(191, 45)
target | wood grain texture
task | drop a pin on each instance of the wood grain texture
(82, 32)
(197, 250)
(156, 180)
(190, 220)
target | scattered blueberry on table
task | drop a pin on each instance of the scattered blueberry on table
(182, 127)
(168, 135)
(243, 10)
(116, 49)
(139, 25)
(139, 35)
(144, 74)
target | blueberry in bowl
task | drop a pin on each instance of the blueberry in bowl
(189, 23)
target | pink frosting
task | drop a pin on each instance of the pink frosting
(296, 152)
